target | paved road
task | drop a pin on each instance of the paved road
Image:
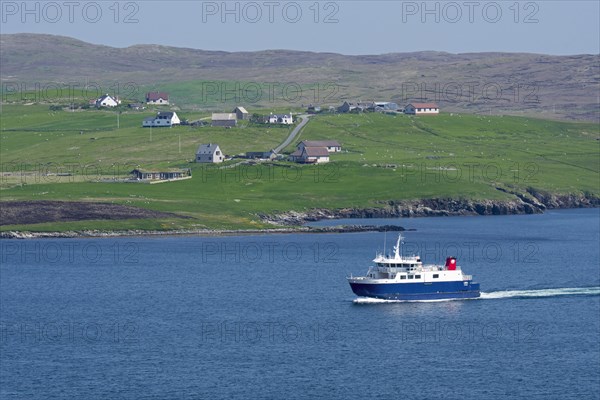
(294, 133)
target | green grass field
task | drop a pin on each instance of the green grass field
(384, 158)
(35, 135)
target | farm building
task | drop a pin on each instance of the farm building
(157, 98)
(332, 146)
(263, 155)
(421, 109)
(284, 119)
(162, 118)
(209, 153)
(356, 107)
(107, 101)
(163, 175)
(241, 113)
(386, 106)
(136, 106)
(312, 109)
(224, 119)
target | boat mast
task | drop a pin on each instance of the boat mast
(397, 252)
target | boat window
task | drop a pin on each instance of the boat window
(402, 276)
(436, 275)
(410, 276)
(417, 276)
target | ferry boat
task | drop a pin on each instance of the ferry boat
(396, 277)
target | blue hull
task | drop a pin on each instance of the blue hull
(417, 291)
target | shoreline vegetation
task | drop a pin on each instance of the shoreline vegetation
(293, 221)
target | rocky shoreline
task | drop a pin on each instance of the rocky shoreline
(529, 203)
(292, 221)
(198, 232)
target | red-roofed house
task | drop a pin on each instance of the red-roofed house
(157, 98)
(422, 109)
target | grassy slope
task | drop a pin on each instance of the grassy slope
(33, 135)
(531, 84)
(424, 157)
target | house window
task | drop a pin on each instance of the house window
(218, 153)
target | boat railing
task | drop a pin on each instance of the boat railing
(467, 277)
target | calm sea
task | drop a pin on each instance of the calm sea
(272, 316)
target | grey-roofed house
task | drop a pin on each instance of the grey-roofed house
(224, 119)
(310, 155)
(209, 153)
(162, 119)
(332, 146)
(241, 113)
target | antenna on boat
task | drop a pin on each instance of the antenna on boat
(397, 252)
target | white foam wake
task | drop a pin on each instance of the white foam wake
(501, 294)
(369, 300)
(507, 294)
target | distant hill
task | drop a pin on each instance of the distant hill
(563, 87)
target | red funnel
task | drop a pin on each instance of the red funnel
(451, 263)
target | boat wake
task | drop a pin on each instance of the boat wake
(501, 294)
(370, 300)
(522, 294)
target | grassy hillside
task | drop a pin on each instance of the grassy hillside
(457, 148)
(385, 158)
(557, 87)
(35, 135)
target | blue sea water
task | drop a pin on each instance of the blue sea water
(272, 316)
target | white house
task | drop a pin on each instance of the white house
(284, 119)
(421, 109)
(162, 118)
(157, 98)
(332, 146)
(209, 153)
(108, 101)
